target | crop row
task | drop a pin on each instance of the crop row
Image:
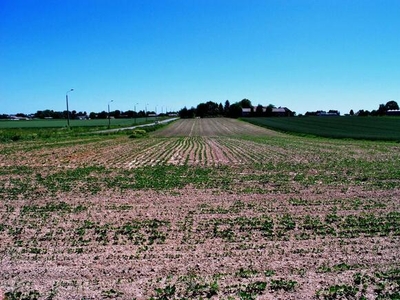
(120, 151)
(285, 227)
(382, 128)
(194, 228)
(21, 182)
(383, 284)
(32, 237)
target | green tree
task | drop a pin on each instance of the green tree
(209, 109)
(220, 109)
(268, 111)
(185, 113)
(381, 110)
(391, 105)
(235, 110)
(245, 103)
(226, 108)
(201, 110)
(259, 110)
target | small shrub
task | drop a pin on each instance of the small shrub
(137, 133)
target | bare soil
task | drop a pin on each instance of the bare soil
(199, 243)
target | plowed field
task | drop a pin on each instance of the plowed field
(203, 208)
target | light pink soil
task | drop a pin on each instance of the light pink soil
(83, 252)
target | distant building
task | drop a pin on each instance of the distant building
(331, 113)
(393, 112)
(246, 112)
(276, 112)
(85, 117)
(282, 112)
(17, 118)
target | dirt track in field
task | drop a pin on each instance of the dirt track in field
(213, 127)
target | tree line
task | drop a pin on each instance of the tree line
(235, 110)
(383, 109)
(73, 114)
(207, 109)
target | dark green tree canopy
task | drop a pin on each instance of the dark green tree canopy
(235, 110)
(226, 107)
(209, 109)
(185, 113)
(245, 103)
(391, 105)
(259, 110)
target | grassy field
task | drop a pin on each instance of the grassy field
(368, 128)
(56, 130)
(200, 209)
(41, 123)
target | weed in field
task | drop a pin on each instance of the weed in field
(269, 273)
(111, 293)
(385, 284)
(342, 291)
(246, 273)
(282, 284)
(165, 293)
(18, 295)
(252, 290)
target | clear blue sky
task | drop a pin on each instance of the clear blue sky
(304, 54)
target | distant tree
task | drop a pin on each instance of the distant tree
(212, 109)
(375, 113)
(201, 110)
(235, 110)
(351, 112)
(73, 114)
(226, 107)
(391, 105)
(58, 115)
(363, 113)
(192, 112)
(209, 109)
(117, 114)
(268, 111)
(41, 114)
(245, 103)
(220, 109)
(311, 113)
(259, 110)
(102, 115)
(185, 113)
(381, 110)
(129, 113)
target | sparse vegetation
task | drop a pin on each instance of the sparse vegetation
(219, 211)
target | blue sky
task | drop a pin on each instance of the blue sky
(307, 54)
